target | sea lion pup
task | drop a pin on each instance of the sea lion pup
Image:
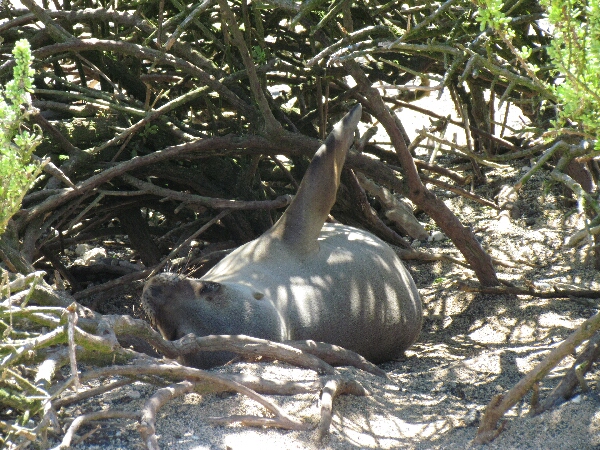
(300, 280)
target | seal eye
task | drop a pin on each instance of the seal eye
(258, 295)
(209, 287)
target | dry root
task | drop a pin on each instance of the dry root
(332, 389)
(557, 291)
(500, 404)
(573, 378)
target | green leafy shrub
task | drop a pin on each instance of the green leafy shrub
(575, 54)
(575, 51)
(17, 172)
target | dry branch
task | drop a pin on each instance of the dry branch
(99, 415)
(473, 129)
(272, 126)
(210, 382)
(461, 192)
(462, 237)
(95, 181)
(397, 211)
(333, 389)
(147, 424)
(564, 390)
(557, 292)
(136, 50)
(361, 202)
(216, 203)
(337, 356)
(501, 403)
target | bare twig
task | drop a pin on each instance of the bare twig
(564, 390)
(332, 389)
(147, 427)
(461, 192)
(54, 336)
(357, 190)
(337, 356)
(72, 316)
(193, 236)
(55, 30)
(557, 291)
(18, 431)
(216, 203)
(99, 415)
(82, 395)
(272, 126)
(501, 403)
(141, 51)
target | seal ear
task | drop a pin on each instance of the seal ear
(301, 223)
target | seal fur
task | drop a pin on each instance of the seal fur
(300, 280)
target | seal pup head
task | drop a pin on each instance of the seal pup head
(179, 305)
(166, 296)
(300, 225)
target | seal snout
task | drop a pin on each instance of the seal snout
(156, 292)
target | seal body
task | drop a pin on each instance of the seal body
(301, 280)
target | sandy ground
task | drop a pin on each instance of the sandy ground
(471, 348)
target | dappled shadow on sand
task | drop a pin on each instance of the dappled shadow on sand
(472, 347)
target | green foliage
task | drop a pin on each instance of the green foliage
(575, 54)
(575, 51)
(17, 172)
(149, 130)
(490, 14)
(259, 55)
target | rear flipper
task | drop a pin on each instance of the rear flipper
(300, 225)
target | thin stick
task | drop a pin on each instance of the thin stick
(193, 236)
(147, 427)
(501, 403)
(333, 389)
(216, 203)
(99, 415)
